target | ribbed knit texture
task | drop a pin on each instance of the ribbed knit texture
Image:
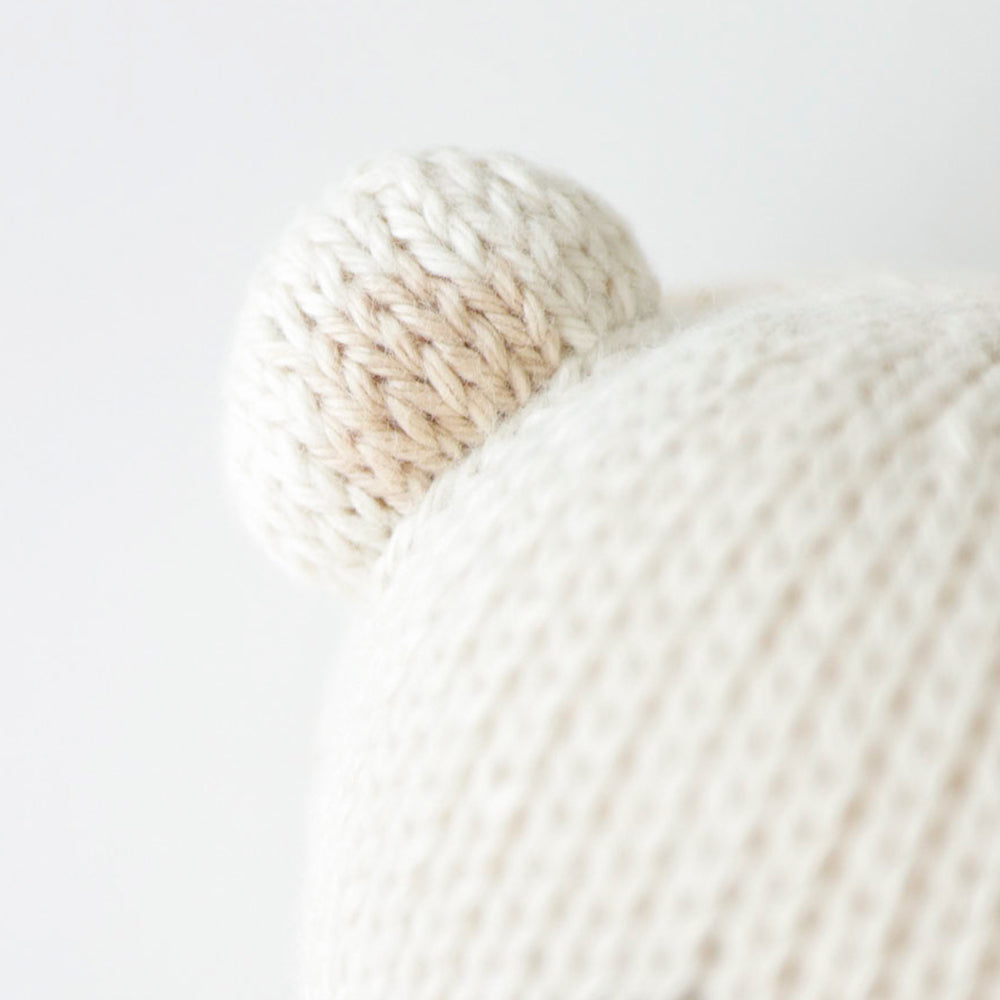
(685, 683)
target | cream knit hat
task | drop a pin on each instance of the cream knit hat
(678, 674)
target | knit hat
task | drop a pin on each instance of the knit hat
(677, 673)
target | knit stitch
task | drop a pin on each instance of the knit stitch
(423, 302)
(687, 683)
(679, 675)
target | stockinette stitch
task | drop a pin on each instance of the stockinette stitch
(681, 678)
(423, 301)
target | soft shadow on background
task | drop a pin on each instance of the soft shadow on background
(160, 680)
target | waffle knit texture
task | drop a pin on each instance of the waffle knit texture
(682, 681)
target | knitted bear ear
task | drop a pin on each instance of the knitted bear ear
(418, 306)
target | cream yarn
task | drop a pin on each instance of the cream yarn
(680, 674)
(686, 683)
(423, 302)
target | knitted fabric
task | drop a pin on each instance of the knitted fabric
(687, 684)
(425, 300)
(683, 681)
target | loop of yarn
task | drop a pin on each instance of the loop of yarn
(423, 302)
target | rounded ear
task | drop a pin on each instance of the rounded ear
(420, 304)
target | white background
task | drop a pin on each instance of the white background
(159, 679)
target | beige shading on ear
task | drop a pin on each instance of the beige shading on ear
(420, 304)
